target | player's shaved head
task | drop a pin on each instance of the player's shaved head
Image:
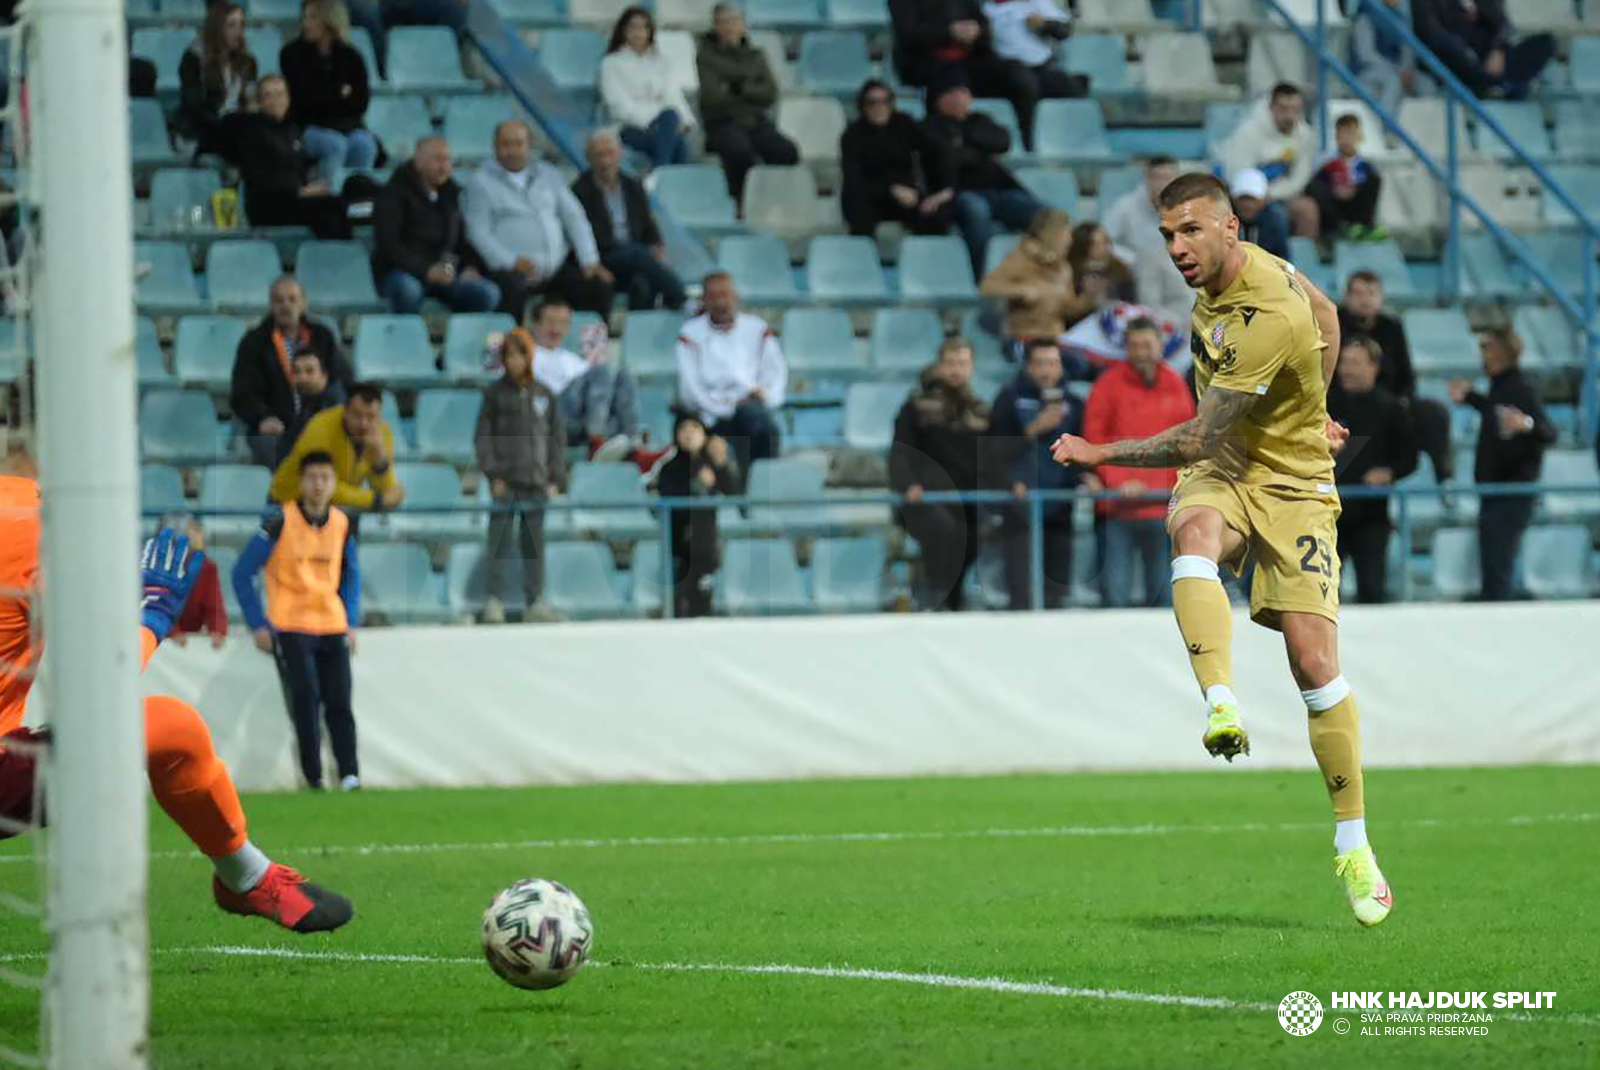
(1201, 230)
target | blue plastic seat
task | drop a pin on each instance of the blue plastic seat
(446, 422)
(470, 122)
(466, 341)
(650, 343)
(644, 578)
(147, 134)
(1382, 258)
(1001, 111)
(1549, 336)
(400, 122)
(165, 48)
(1441, 342)
(233, 486)
(610, 500)
(338, 275)
(1577, 134)
(1558, 561)
(655, 414)
(272, 11)
(1582, 184)
(697, 195)
(998, 247)
(777, 480)
(1222, 118)
(572, 57)
(398, 583)
(466, 579)
(177, 426)
(784, 14)
(936, 270)
(847, 574)
(170, 286)
(580, 581)
(426, 59)
(1570, 468)
(845, 271)
(760, 577)
(869, 413)
(905, 339)
(1485, 271)
(833, 62)
(1101, 56)
(821, 341)
(395, 350)
(1052, 187)
(160, 490)
(204, 350)
(1456, 573)
(175, 193)
(427, 486)
(1071, 131)
(531, 12)
(1585, 64)
(152, 368)
(240, 274)
(1524, 121)
(859, 14)
(759, 265)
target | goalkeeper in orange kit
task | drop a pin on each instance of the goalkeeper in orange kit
(188, 779)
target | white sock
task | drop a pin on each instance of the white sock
(1220, 693)
(1349, 835)
(243, 869)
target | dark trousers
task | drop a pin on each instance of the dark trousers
(1017, 550)
(315, 670)
(1524, 61)
(741, 147)
(1364, 541)
(1140, 545)
(948, 535)
(1360, 210)
(752, 432)
(522, 563)
(983, 213)
(1502, 521)
(643, 277)
(991, 76)
(863, 214)
(662, 140)
(1430, 422)
(568, 281)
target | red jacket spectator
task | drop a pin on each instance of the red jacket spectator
(1127, 404)
(205, 611)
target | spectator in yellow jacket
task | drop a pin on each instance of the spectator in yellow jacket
(361, 444)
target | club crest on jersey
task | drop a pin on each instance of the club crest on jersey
(1217, 331)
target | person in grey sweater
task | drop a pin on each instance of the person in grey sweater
(532, 234)
(521, 444)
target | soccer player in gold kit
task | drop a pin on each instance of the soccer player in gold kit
(1257, 480)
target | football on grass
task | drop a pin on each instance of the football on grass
(537, 934)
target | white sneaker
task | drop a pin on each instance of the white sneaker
(543, 613)
(494, 611)
(615, 448)
(350, 783)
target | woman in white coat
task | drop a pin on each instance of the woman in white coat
(641, 93)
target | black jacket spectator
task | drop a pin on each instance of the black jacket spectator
(1465, 41)
(261, 387)
(214, 79)
(878, 155)
(317, 81)
(922, 41)
(1514, 458)
(695, 555)
(737, 93)
(274, 167)
(412, 231)
(642, 229)
(1506, 454)
(1381, 436)
(1395, 373)
(966, 153)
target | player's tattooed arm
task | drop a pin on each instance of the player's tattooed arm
(1193, 440)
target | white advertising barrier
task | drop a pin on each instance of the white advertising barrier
(901, 695)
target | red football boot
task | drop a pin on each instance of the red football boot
(288, 899)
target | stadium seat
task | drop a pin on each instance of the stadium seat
(426, 59)
(204, 350)
(1456, 573)
(602, 13)
(233, 487)
(905, 339)
(859, 14)
(400, 122)
(338, 274)
(610, 501)
(446, 423)
(572, 56)
(542, 13)
(760, 577)
(869, 413)
(845, 271)
(1116, 181)
(1582, 183)
(466, 580)
(428, 486)
(1549, 337)
(685, 14)
(847, 574)
(152, 367)
(644, 578)
(165, 48)
(1101, 56)
(160, 491)
(820, 341)
(1485, 271)
(1382, 258)
(240, 274)
(1070, 131)
(147, 134)
(650, 344)
(788, 479)
(177, 426)
(759, 265)
(833, 62)
(466, 341)
(697, 195)
(580, 581)
(815, 125)
(1577, 134)
(178, 195)
(1570, 468)
(782, 201)
(1056, 188)
(784, 14)
(395, 350)
(1441, 342)
(1558, 561)
(397, 583)
(1180, 65)
(271, 10)
(1304, 12)
(1002, 112)
(1524, 121)
(1222, 118)
(264, 43)
(1552, 16)
(1585, 64)
(1424, 118)
(170, 287)
(655, 414)
(936, 270)
(470, 121)
(1425, 503)
(998, 248)
(1126, 16)
(1275, 56)
(985, 343)
(770, 42)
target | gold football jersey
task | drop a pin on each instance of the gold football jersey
(1259, 337)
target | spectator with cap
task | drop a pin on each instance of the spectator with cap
(1261, 221)
(420, 239)
(1275, 139)
(262, 394)
(737, 94)
(625, 230)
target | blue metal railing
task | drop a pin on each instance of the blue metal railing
(1458, 96)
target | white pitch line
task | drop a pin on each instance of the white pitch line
(808, 838)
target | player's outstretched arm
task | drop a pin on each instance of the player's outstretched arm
(1326, 313)
(1193, 440)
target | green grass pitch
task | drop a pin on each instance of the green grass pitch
(1091, 887)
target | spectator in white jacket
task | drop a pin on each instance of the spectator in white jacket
(1026, 32)
(1277, 141)
(530, 231)
(732, 373)
(1135, 229)
(641, 93)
